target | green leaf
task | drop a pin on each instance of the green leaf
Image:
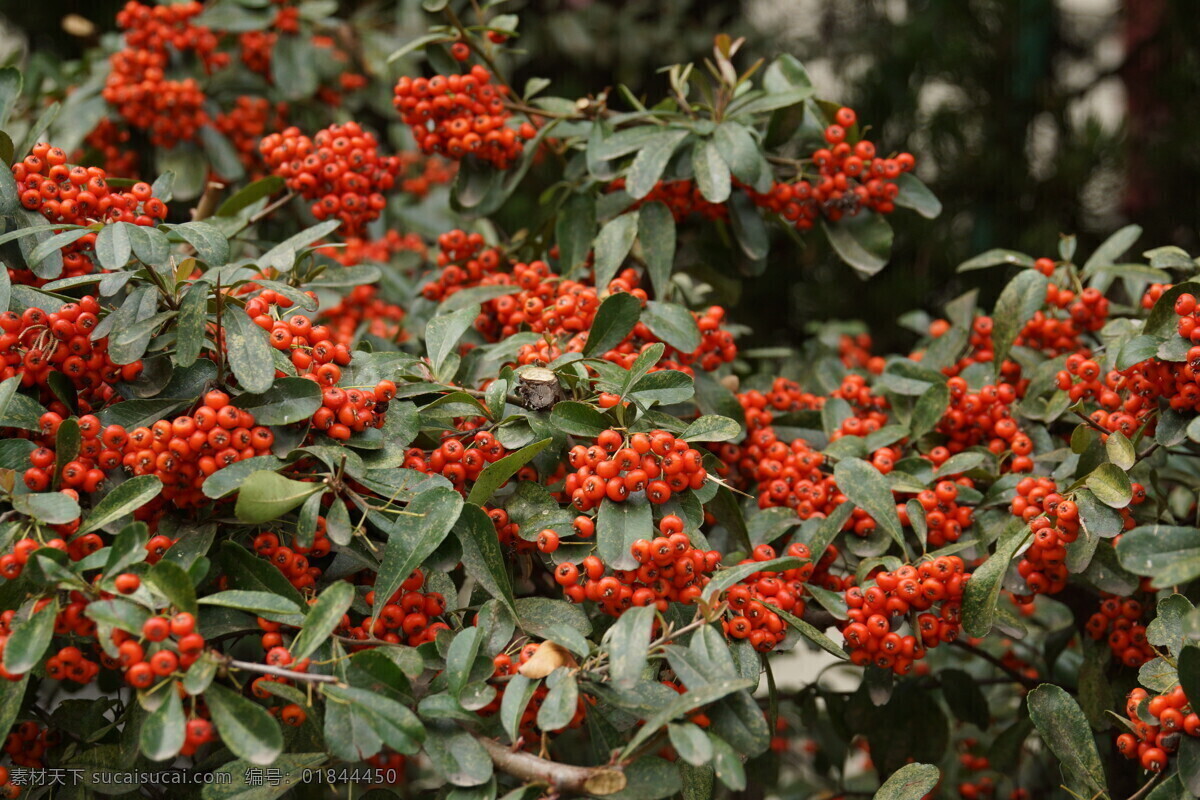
(250, 194)
(265, 496)
(222, 156)
(414, 535)
(249, 351)
(52, 508)
(614, 320)
(1020, 299)
(656, 232)
(481, 554)
(190, 325)
(125, 499)
(574, 231)
(618, 526)
(711, 172)
(1189, 764)
(457, 756)
(710, 428)
(443, 332)
(393, 722)
(1111, 249)
(739, 150)
(691, 743)
(113, 247)
(578, 419)
(323, 619)
(930, 407)
(253, 602)
(1111, 484)
(682, 704)
(910, 782)
(996, 258)
(517, 694)
(28, 641)
(866, 487)
(494, 475)
(916, 195)
(163, 732)
(283, 255)
(1168, 554)
(1120, 450)
(983, 590)
(810, 632)
(246, 728)
(11, 83)
(128, 547)
(864, 241)
(647, 167)
(290, 400)
(541, 616)
(1065, 731)
(294, 66)
(672, 323)
(174, 583)
(229, 479)
(210, 244)
(612, 245)
(1137, 350)
(561, 702)
(628, 645)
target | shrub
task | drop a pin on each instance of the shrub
(480, 508)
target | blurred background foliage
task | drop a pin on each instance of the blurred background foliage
(1029, 118)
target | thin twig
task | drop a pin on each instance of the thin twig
(1024, 680)
(280, 672)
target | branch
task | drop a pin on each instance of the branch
(562, 777)
(1027, 682)
(1145, 790)
(280, 672)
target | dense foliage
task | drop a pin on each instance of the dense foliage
(316, 463)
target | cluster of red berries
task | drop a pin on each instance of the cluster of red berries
(364, 311)
(784, 397)
(246, 124)
(169, 110)
(945, 519)
(855, 353)
(788, 475)
(12, 564)
(852, 177)
(26, 744)
(110, 143)
(868, 632)
(1087, 313)
(407, 617)
(100, 449)
(464, 261)
(458, 462)
(340, 168)
(344, 412)
(1153, 745)
(870, 409)
(1128, 399)
(979, 351)
(310, 347)
(655, 463)
(460, 115)
(292, 560)
(983, 786)
(751, 601)
(144, 663)
(1119, 621)
(355, 250)
(418, 173)
(75, 195)
(1054, 521)
(670, 570)
(683, 197)
(35, 343)
(985, 417)
(184, 451)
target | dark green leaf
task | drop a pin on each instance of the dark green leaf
(615, 318)
(866, 487)
(651, 160)
(323, 619)
(628, 644)
(481, 554)
(1020, 299)
(414, 536)
(612, 245)
(618, 526)
(163, 732)
(249, 352)
(1111, 485)
(265, 496)
(712, 173)
(656, 232)
(916, 195)
(245, 727)
(1065, 730)
(290, 400)
(672, 323)
(983, 590)
(28, 641)
(125, 499)
(864, 241)
(497, 473)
